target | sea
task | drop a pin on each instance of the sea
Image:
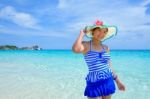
(60, 74)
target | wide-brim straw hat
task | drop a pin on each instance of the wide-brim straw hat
(112, 30)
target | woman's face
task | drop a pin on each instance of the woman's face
(99, 33)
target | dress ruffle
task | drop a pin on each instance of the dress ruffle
(98, 75)
(100, 88)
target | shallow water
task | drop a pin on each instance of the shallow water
(55, 74)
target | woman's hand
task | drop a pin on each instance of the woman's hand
(120, 85)
(82, 32)
(78, 46)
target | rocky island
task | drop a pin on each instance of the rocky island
(13, 47)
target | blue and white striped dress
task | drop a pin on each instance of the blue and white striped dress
(99, 74)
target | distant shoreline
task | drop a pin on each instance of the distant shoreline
(13, 47)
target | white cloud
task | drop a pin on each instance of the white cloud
(22, 19)
(144, 3)
(25, 32)
(62, 4)
(120, 13)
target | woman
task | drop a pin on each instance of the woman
(101, 76)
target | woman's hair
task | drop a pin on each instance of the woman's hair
(95, 29)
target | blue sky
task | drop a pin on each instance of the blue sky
(55, 24)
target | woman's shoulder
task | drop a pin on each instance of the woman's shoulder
(106, 48)
(86, 45)
(85, 42)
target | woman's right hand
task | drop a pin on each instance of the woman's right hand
(78, 46)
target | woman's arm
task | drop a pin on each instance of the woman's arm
(78, 45)
(120, 85)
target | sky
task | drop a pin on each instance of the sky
(56, 24)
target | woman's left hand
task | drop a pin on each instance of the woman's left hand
(120, 85)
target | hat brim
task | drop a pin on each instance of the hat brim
(112, 31)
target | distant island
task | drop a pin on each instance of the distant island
(13, 47)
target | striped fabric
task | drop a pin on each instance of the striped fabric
(98, 66)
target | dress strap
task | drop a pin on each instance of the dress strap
(103, 49)
(90, 45)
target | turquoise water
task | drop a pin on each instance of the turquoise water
(55, 74)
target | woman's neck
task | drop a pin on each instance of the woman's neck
(96, 42)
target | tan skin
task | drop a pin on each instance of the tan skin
(84, 46)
